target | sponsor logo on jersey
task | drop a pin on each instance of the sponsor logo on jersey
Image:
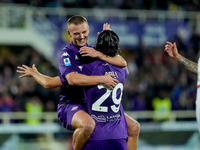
(74, 108)
(67, 62)
(113, 118)
(65, 54)
(99, 118)
(102, 118)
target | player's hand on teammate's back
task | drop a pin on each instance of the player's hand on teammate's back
(88, 51)
(26, 71)
(109, 81)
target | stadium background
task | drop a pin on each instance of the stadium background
(159, 93)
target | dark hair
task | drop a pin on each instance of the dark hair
(76, 19)
(108, 43)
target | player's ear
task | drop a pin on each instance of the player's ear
(69, 33)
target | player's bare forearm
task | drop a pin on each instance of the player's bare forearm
(46, 81)
(187, 64)
(77, 79)
(117, 60)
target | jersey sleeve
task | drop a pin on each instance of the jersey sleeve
(126, 71)
(62, 79)
(67, 62)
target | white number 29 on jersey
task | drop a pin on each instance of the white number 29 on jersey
(97, 105)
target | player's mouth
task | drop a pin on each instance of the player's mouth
(81, 41)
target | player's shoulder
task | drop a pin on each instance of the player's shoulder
(66, 51)
(120, 69)
(95, 65)
(68, 47)
(90, 46)
(99, 62)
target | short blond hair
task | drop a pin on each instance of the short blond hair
(76, 20)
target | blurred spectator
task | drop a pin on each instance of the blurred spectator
(162, 106)
(128, 4)
(137, 102)
(195, 40)
(19, 89)
(7, 103)
(34, 109)
(50, 106)
(147, 4)
(87, 3)
(162, 5)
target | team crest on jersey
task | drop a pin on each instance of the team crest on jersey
(67, 62)
(65, 54)
(74, 108)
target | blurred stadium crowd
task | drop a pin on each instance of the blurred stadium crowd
(15, 93)
(189, 5)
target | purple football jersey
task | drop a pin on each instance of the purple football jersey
(69, 62)
(104, 105)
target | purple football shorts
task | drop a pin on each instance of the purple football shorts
(66, 112)
(115, 144)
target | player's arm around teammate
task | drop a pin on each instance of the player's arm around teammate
(117, 60)
(53, 82)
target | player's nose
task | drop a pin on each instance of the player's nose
(81, 35)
